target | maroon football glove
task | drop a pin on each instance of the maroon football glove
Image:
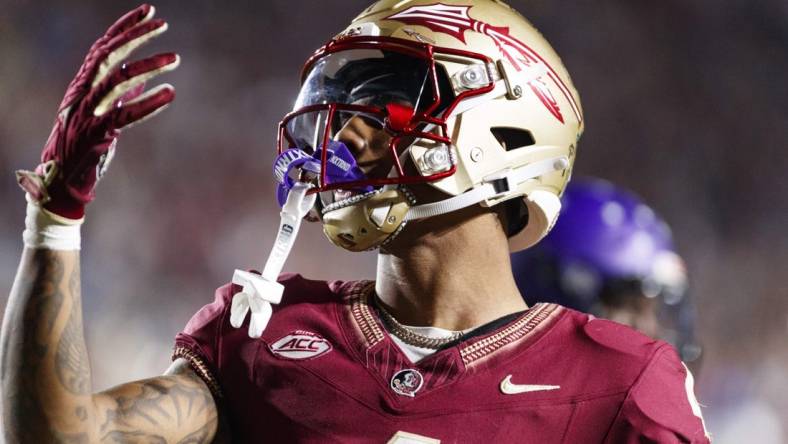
(105, 96)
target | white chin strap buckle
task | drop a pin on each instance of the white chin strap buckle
(260, 291)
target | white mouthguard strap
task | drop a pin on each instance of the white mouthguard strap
(259, 292)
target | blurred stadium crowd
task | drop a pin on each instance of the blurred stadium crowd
(686, 104)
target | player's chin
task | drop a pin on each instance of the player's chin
(413, 234)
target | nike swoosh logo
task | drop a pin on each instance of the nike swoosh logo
(508, 388)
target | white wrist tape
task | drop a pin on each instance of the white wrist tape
(49, 231)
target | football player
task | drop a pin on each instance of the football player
(611, 255)
(441, 134)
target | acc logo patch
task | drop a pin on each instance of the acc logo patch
(299, 345)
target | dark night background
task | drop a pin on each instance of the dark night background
(686, 104)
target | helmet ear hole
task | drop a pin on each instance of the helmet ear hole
(543, 209)
(512, 138)
(516, 212)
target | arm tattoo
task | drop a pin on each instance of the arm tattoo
(49, 299)
(30, 326)
(71, 357)
(132, 438)
(141, 411)
(46, 388)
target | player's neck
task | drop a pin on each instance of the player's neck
(451, 272)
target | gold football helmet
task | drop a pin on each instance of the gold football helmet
(472, 101)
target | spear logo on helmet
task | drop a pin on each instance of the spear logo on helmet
(455, 20)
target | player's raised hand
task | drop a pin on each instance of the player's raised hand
(106, 96)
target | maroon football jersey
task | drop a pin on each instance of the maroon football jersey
(326, 371)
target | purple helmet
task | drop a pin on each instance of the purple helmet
(608, 246)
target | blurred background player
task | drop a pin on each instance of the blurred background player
(612, 256)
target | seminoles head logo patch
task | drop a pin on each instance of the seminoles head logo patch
(407, 382)
(300, 344)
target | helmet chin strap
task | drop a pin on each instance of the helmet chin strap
(260, 291)
(496, 185)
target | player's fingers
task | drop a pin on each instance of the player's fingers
(119, 48)
(143, 107)
(132, 93)
(139, 15)
(133, 38)
(128, 77)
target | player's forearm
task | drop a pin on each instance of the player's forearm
(46, 386)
